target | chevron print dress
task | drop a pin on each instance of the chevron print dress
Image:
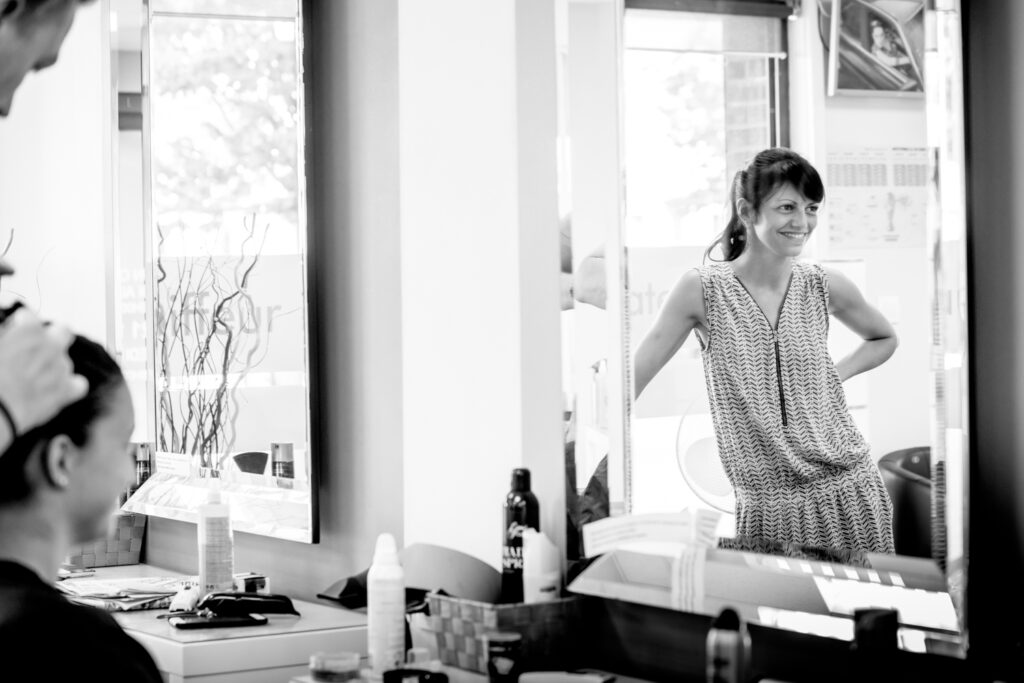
(801, 470)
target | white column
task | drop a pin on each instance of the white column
(480, 289)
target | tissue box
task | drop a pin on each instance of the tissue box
(550, 630)
(123, 544)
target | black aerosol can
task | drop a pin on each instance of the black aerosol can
(521, 512)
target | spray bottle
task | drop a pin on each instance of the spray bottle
(385, 612)
(216, 545)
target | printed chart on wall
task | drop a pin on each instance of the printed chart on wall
(877, 197)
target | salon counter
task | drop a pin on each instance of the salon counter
(272, 653)
(635, 642)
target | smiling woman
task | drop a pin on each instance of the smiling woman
(800, 468)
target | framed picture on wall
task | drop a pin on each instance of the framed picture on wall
(873, 47)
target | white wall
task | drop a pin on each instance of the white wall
(480, 290)
(55, 182)
(899, 392)
(593, 117)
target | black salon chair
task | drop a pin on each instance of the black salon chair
(907, 477)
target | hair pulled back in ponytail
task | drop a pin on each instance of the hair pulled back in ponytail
(768, 171)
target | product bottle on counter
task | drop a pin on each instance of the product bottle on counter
(141, 454)
(216, 545)
(521, 512)
(143, 464)
(385, 608)
(542, 575)
(728, 649)
(282, 460)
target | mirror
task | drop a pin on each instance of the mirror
(701, 94)
(210, 244)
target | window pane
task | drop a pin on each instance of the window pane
(691, 120)
(225, 113)
(698, 106)
(244, 8)
(695, 31)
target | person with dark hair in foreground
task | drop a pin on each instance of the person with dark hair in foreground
(59, 484)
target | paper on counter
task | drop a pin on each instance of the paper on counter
(688, 578)
(915, 607)
(610, 533)
(122, 595)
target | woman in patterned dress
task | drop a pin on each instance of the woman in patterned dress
(801, 470)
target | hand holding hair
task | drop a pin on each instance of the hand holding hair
(36, 377)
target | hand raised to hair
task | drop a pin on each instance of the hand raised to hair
(36, 377)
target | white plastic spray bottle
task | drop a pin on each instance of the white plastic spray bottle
(216, 545)
(385, 593)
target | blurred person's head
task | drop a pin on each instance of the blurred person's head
(70, 470)
(880, 36)
(31, 33)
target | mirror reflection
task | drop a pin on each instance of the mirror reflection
(211, 237)
(697, 117)
(780, 240)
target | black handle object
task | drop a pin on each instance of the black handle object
(234, 603)
(412, 674)
(875, 646)
(195, 622)
(7, 311)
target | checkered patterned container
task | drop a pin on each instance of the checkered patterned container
(550, 631)
(122, 546)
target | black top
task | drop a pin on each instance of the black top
(45, 636)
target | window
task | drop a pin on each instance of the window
(703, 94)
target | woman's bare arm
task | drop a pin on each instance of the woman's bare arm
(683, 310)
(850, 307)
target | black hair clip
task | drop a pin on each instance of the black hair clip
(232, 603)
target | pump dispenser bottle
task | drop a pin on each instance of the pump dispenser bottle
(728, 649)
(216, 545)
(385, 608)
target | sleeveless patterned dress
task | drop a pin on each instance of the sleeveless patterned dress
(801, 470)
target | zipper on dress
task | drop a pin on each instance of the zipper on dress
(775, 338)
(778, 375)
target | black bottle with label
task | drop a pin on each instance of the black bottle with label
(521, 511)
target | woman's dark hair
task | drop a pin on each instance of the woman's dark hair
(103, 374)
(33, 5)
(768, 171)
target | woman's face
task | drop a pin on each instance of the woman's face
(104, 467)
(785, 221)
(878, 36)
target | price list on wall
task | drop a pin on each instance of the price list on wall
(876, 197)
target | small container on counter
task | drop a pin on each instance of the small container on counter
(334, 666)
(282, 463)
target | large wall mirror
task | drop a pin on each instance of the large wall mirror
(665, 102)
(212, 315)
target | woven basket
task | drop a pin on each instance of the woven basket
(123, 544)
(549, 631)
